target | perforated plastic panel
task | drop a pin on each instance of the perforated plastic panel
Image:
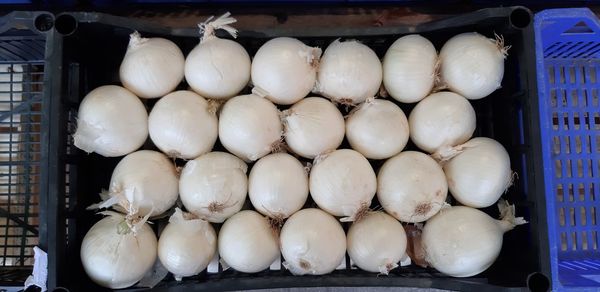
(568, 61)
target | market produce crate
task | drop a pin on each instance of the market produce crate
(25, 103)
(568, 62)
(92, 47)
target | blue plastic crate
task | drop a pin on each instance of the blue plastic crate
(568, 70)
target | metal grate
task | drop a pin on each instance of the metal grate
(21, 80)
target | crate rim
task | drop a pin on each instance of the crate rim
(157, 29)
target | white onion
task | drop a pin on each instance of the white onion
(111, 121)
(411, 186)
(144, 183)
(343, 183)
(183, 125)
(313, 126)
(116, 253)
(480, 173)
(378, 129)
(377, 243)
(249, 126)
(462, 241)
(473, 65)
(278, 185)
(247, 242)
(285, 69)
(186, 245)
(349, 72)
(312, 242)
(214, 186)
(409, 68)
(440, 121)
(152, 67)
(217, 68)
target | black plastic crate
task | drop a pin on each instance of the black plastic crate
(93, 44)
(25, 102)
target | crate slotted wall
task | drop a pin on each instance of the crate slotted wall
(22, 95)
(568, 61)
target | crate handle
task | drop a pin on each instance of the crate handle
(578, 23)
(580, 27)
(65, 24)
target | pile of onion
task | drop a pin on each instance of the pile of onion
(377, 243)
(312, 242)
(378, 129)
(278, 185)
(349, 72)
(284, 70)
(462, 242)
(152, 67)
(411, 186)
(250, 127)
(121, 249)
(143, 183)
(118, 251)
(313, 126)
(248, 242)
(217, 68)
(343, 183)
(183, 125)
(440, 121)
(111, 121)
(186, 245)
(479, 173)
(472, 65)
(214, 186)
(409, 68)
